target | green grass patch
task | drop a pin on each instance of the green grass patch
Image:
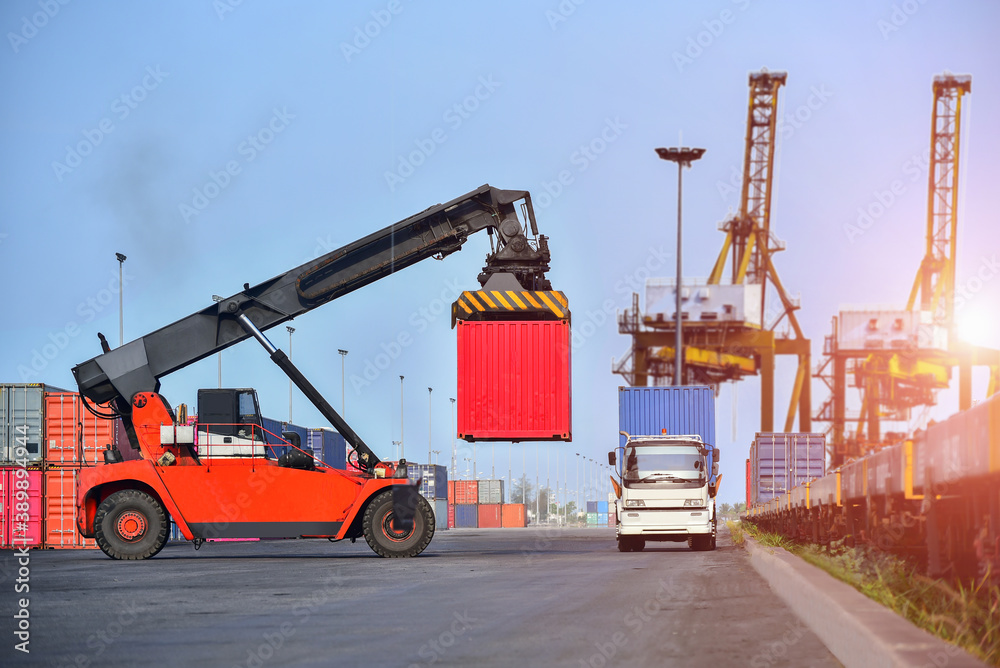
(736, 531)
(965, 615)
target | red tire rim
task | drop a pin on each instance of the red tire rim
(131, 525)
(391, 532)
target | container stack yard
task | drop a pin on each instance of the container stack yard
(480, 504)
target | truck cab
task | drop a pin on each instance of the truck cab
(667, 491)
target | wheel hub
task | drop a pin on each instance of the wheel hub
(131, 525)
(392, 532)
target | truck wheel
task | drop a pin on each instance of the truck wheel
(130, 524)
(385, 539)
(702, 543)
(630, 544)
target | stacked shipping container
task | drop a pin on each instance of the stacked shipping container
(480, 504)
(782, 461)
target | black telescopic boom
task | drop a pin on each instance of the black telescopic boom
(367, 458)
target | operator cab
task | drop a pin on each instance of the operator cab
(229, 423)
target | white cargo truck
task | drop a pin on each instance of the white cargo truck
(666, 491)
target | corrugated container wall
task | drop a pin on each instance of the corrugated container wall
(73, 435)
(21, 423)
(60, 510)
(466, 492)
(21, 507)
(328, 446)
(782, 461)
(647, 411)
(514, 381)
(433, 479)
(491, 491)
(441, 513)
(466, 516)
(490, 516)
(513, 516)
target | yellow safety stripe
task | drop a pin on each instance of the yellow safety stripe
(499, 298)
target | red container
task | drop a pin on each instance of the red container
(490, 516)
(60, 510)
(73, 435)
(512, 515)
(451, 515)
(514, 380)
(451, 491)
(466, 491)
(20, 507)
(749, 484)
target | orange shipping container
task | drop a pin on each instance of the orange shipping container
(489, 516)
(60, 510)
(513, 515)
(73, 435)
(466, 492)
(451, 491)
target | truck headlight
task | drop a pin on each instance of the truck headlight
(635, 503)
(693, 502)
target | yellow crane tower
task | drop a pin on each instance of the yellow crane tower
(899, 359)
(727, 331)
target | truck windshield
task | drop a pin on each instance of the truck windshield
(662, 463)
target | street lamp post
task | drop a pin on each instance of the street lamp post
(430, 438)
(683, 157)
(291, 330)
(217, 299)
(343, 396)
(454, 464)
(121, 299)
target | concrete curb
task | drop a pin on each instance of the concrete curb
(857, 630)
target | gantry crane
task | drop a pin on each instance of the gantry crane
(728, 333)
(899, 359)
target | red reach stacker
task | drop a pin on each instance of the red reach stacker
(219, 477)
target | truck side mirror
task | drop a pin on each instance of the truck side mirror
(715, 468)
(715, 454)
(611, 458)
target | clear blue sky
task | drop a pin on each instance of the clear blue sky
(163, 96)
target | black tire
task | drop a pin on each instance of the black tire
(384, 540)
(624, 544)
(702, 542)
(131, 525)
(631, 544)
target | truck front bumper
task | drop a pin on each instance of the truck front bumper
(679, 522)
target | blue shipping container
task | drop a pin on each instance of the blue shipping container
(434, 479)
(780, 462)
(328, 446)
(602, 507)
(591, 507)
(272, 436)
(647, 411)
(466, 516)
(602, 519)
(440, 514)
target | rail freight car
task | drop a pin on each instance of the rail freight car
(934, 498)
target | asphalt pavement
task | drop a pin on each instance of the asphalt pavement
(489, 597)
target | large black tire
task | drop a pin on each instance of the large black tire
(387, 541)
(631, 544)
(131, 524)
(702, 542)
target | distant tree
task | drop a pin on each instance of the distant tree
(725, 509)
(523, 492)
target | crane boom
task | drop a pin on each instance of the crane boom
(437, 231)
